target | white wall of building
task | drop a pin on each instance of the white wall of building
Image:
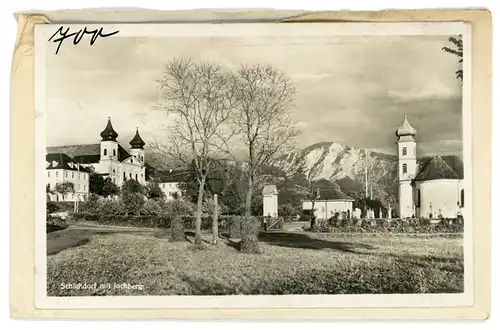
(169, 189)
(79, 179)
(325, 209)
(439, 197)
(270, 205)
(405, 199)
(130, 168)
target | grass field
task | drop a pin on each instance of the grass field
(146, 263)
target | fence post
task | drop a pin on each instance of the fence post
(215, 224)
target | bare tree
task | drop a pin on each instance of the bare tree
(263, 120)
(200, 97)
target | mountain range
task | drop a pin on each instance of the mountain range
(348, 167)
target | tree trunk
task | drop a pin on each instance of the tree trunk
(313, 216)
(250, 235)
(199, 206)
(215, 221)
(248, 202)
(250, 226)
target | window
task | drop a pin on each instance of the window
(72, 175)
(124, 176)
(113, 170)
(163, 185)
(142, 175)
(131, 161)
(84, 187)
(404, 151)
(114, 180)
(130, 175)
(105, 152)
(114, 152)
(48, 173)
(418, 198)
(462, 198)
(405, 169)
(57, 174)
(136, 177)
(142, 158)
(65, 174)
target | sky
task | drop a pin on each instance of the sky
(350, 89)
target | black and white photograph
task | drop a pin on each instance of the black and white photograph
(253, 165)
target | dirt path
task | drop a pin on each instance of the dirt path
(80, 234)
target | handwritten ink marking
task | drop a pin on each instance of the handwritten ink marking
(64, 34)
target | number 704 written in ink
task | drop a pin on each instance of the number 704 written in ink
(64, 33)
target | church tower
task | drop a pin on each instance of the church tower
(109, 145)
(407, 167)
(137, 146)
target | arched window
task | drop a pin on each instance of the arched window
(114, 152)
(124, 176)
(105, 152)
(462, 198)
(405, 168)
(130, 175)
(136, 177)
(142, 158)
(404, 151)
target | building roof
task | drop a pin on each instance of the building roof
(55, 161)
(435, 169)
(109, 134)
(86, 153)
(137, 142)
(406, 129)
(269, 189)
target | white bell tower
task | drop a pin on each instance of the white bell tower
(407, 167)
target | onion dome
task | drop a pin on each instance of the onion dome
(137, 142)
(406, 129)
(109, 134)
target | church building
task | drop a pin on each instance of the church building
(430, 187)
(109, 158)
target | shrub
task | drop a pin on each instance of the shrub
(91, 205)
(178, 207)
(132, 203)
(108, 206)
(152, 207)
(54, 224)
(139, 221)
(250, 228)
(235, 227)
(177, 229)
(52, 207)
(153, 190)
(132, 186)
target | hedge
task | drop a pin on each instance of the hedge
(226, 222)
(407, 226)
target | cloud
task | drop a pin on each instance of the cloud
(350, 89)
